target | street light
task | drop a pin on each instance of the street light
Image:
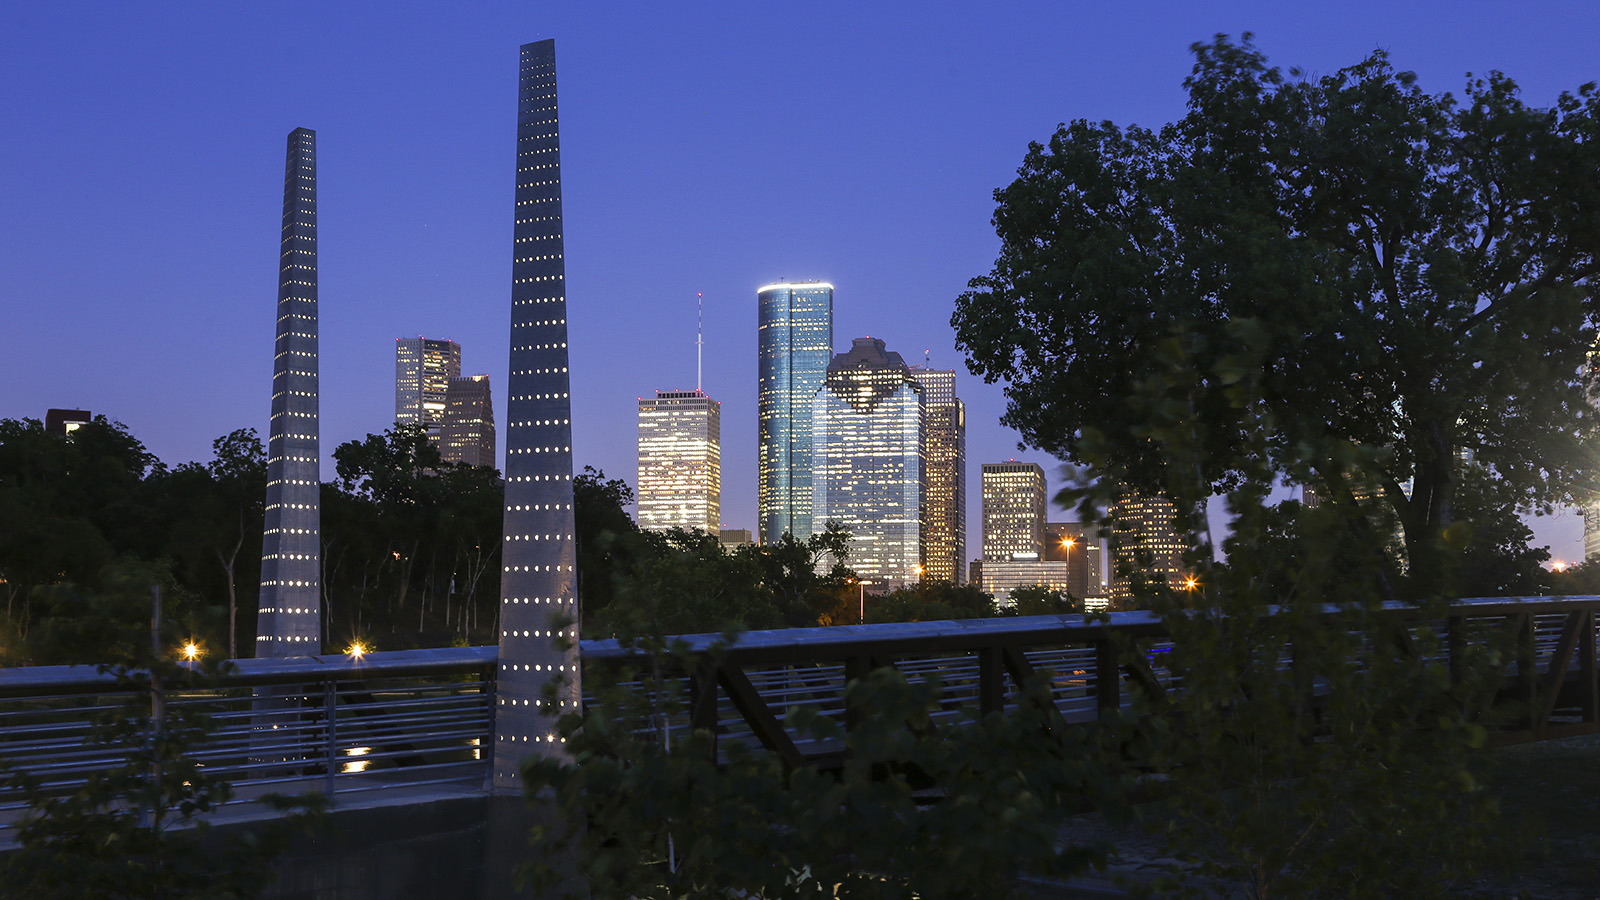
(356, 650)
(191, 651)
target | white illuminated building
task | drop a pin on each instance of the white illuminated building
(680, 461)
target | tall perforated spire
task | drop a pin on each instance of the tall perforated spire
(537, 588)
(289, 616)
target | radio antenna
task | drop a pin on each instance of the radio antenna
(699, 336)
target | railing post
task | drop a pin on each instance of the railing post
(703, 703)
(1456, 646)
(1589, 688)
(330, 712)
(856, 668)
(991, 680)
(1107, 691)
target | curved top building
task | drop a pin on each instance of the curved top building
(795, 345)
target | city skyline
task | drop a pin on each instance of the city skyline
(904, 127)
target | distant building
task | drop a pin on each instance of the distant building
(680, 462)
(1001, 577)
(1013, 510)
(1078, 546)
(867, 461)
(66, 421)
(423, 368)
(466, 435)
(944, 520)
(1143, 539)
(734, 538)
(795, 343)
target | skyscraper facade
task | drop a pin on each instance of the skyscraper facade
(1143, 539)
(467, 433)
(680, 462)
(289, 614)
(538, 602)
(423, 368)
(944, 533)
(867, 461)
(795, 343)
(1013, 510)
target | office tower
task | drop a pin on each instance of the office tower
(680, 462)
(1013, 510)
(867, 452)
(1078, 546)
(1001, 577)
(944, 537)
(423, 368)
(795, 344)
(66, 421)
(537, 582)
(289, 616)
(1143, 539)
(732, 539)
(467, 433)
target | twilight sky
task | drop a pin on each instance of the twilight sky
(705, 147)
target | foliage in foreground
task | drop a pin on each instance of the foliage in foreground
(138, 831)
(648, 814)
(1424, 267)
(1318, 747)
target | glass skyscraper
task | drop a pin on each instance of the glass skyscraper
(1013, 510)
(423, 368)
(944, 521)
(795, 344)
(868, 438)
(680, 461)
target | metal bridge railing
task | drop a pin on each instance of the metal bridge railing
(424, 718)
(336, 725)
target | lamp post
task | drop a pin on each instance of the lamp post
(863, 612)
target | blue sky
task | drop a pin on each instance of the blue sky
(707, 147)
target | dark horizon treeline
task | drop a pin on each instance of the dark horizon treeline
(410, 544)
(410, 553)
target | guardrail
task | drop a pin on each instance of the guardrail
(337, 725)
(742, 691)
(424, 718)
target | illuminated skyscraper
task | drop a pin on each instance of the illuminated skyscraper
(1143, 539)
(795, 343)
(289, 615)
(944, 520)
(539, 556)
(467, 433)
(423, 368)
(1013, 510)
(680, 462)
(867, 452)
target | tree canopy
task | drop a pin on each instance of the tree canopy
(1410, 276)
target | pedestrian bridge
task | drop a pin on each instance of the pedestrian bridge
(409, 724)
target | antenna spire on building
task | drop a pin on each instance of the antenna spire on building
(699, 335)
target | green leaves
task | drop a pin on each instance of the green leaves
(922, 806)
(1396, 271)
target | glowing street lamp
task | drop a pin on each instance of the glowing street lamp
(356, 650)
(190, 652)
(1191, 583)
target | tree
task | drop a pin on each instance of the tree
(930, 601)
(1422, 270)
(139, 830)
(645, 815)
